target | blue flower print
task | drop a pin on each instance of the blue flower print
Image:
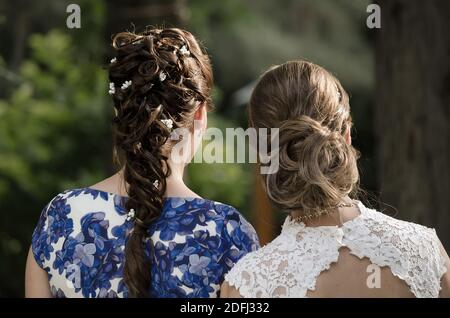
(85, 253)
(192, 245)
(57, 293)
(53, 225)
(94, 193)
(198, 264)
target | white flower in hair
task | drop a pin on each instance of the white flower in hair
(112, 89)
(156, 184)
(131, 214)
(162, 76)
(125, 85)
(114, 60)
(184, 51)
(168, 123)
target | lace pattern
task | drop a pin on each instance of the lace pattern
(290, 265)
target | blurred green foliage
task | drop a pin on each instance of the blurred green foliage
(55, 111)
(54, 134)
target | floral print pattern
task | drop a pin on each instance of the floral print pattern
(81, 235)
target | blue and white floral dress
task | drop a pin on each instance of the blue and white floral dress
(81, 234)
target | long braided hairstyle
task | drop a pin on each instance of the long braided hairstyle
(157, 76)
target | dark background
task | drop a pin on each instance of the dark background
(55, 111)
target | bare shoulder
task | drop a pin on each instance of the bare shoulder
(36, 279)
(445, 280)
(227, 291)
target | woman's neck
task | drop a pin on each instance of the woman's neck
(175, 184)
(336, 218)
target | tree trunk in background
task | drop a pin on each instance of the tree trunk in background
(20, 30)
(413, 111)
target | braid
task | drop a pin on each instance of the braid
(153, 81)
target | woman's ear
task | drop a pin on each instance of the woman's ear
(201, 117)
(348, 135)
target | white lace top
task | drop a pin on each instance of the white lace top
(290, 265)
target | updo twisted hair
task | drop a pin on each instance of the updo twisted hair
(317, 166)
(157, 75)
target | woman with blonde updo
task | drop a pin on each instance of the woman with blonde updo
(331, 245)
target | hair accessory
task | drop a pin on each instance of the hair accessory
(125, 85)
(168, 123)
(112, 89)
(184, 51)
(303, 218)
(114, 60)
(156, 184)
(162, 76)
(131, 214)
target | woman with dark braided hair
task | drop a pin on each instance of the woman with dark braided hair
(143, 232)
